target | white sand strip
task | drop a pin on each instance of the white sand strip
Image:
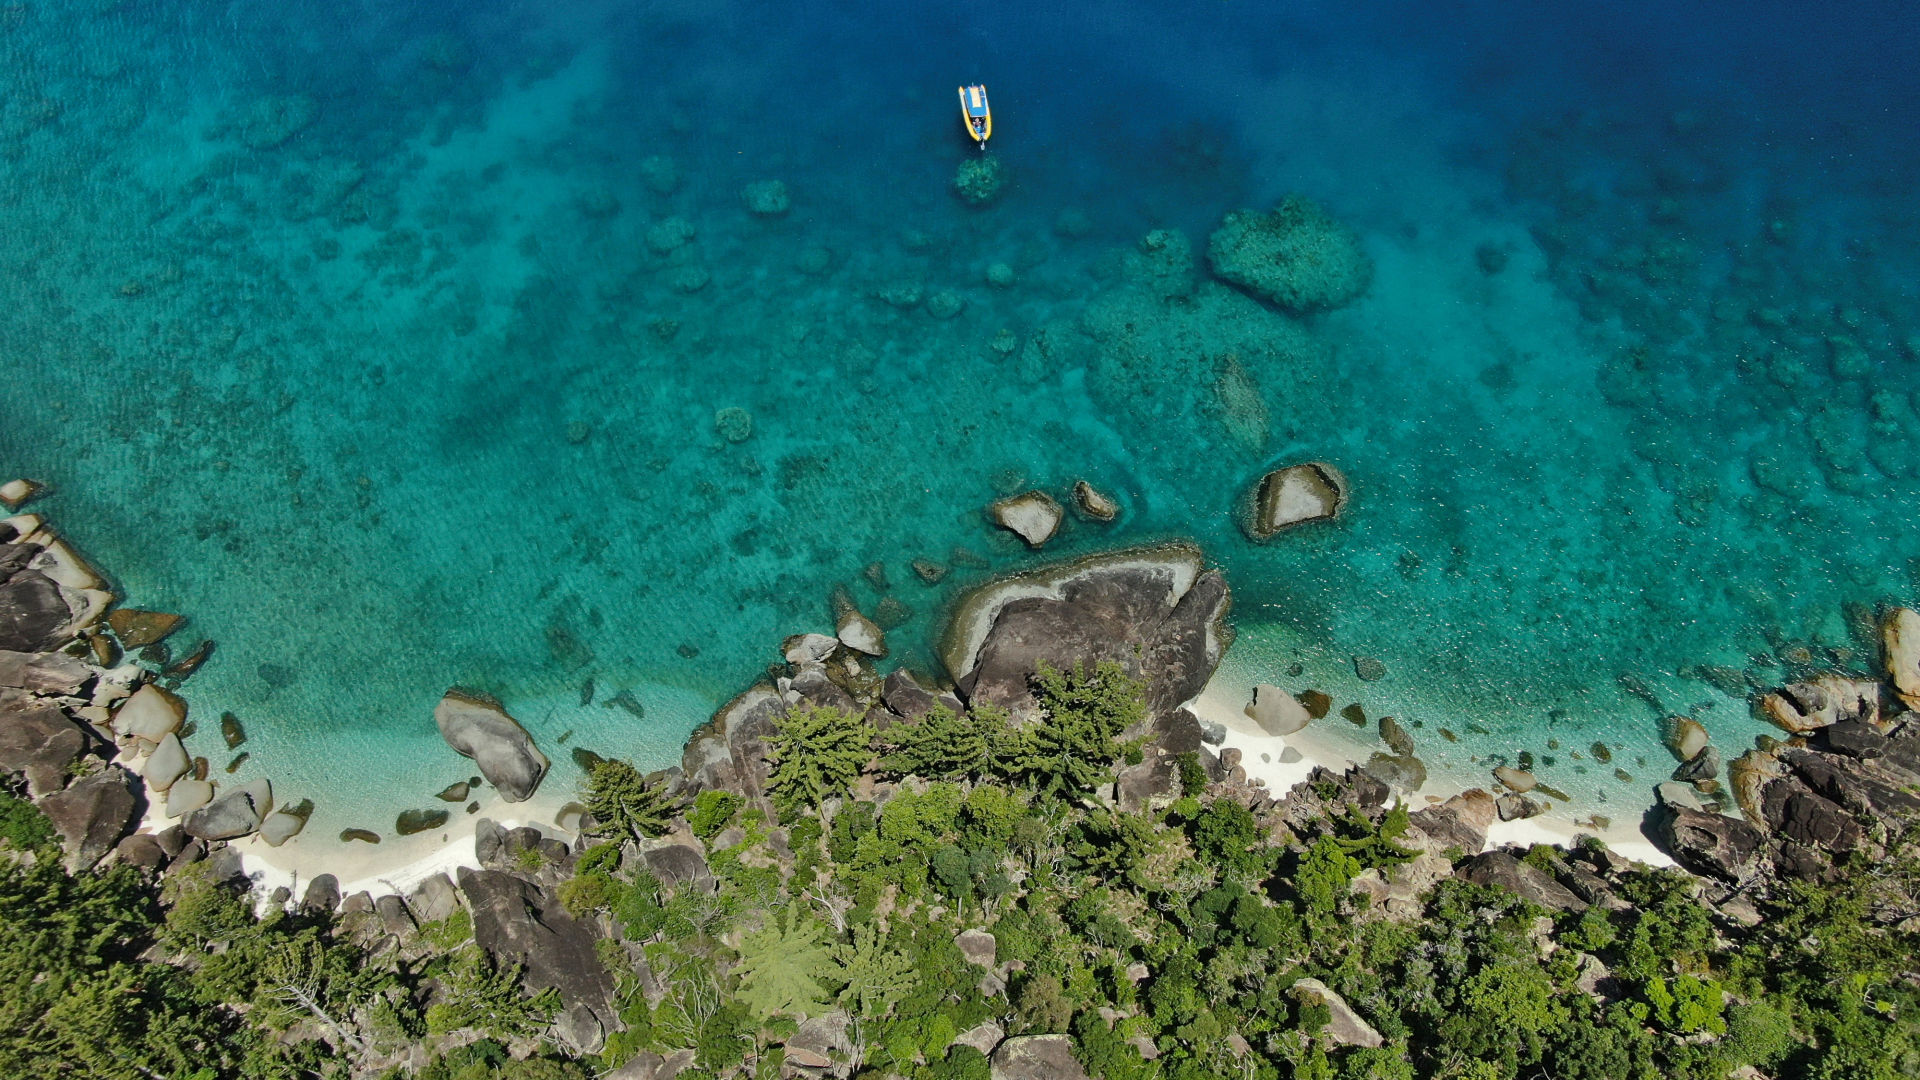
(1319, 744)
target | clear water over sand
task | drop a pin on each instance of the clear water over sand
(388, 344)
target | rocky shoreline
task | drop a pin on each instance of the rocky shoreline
(97, 744)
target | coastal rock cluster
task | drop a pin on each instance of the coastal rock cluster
(1843, 781)
(96, 736)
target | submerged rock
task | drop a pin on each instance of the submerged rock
(979, 180)
(766, 198)
(1294, 256)
(478, 726)
(1297, 494)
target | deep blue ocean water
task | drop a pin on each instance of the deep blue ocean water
(348, 330)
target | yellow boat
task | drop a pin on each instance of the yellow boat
(975, 114)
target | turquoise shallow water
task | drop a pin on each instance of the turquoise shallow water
(349, 332)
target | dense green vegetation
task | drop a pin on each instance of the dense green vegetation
(1168, 943)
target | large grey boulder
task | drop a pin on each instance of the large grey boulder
(1157, 612)
(517, 922)
(232, 815)
(478, 726)
(44, 673)
(729, 752)
(38, 741)
(1462, 821)
(34, 616)
(91, 815)
(1500, 869)
(1344, 1026)
(1037, 1057)
(1706, 843)
(433, 900)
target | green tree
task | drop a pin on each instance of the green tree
(713, 810)
(817, 754)
(787, 967)
(1072, 750)
(625, 803)
(877, 975)
(479, 994)
(939, 746)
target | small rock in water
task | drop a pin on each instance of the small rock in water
(861, 634)
(1515, 779)
(1552, 792)
(1447, 734)
(454, 792)
(418, 821)
(625, 700)
(1601, 753)
(891, 613)
(1092, 503)
(15, 493)
(1369, 669)
(200, 768)
(1318, 705)
(876, 575)
(1292, 496)
(586, 692)
(1396, 737)
(564, 736)
(193, 661)
(734, 424)
(367, 835)
(586, 759)
(473, 808)
(231, 730)
(1031, 515)
(1355, 715)
(137, 629)
(929, 571)
(963, 557)
(686, 651)
(1623, 776)
(238, 760)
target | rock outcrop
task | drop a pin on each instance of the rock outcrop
(478, 726)
(517, 922)
(1033, 516)
(1037, 1057)
(1314, 491)
(1344, 1026)
(1158, 612)
(92, 814)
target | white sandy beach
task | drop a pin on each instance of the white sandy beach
(1320, 743)
(399, 863)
